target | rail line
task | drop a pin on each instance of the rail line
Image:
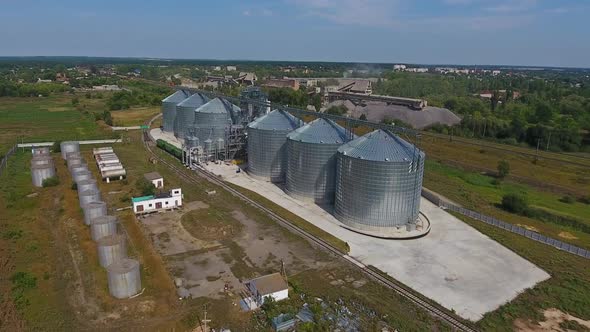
(397, 287)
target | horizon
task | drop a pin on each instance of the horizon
(504, 32)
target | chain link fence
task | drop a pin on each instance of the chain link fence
(4, 161)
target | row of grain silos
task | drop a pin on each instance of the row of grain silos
(123, 273)
(42, 166)
(374, 181)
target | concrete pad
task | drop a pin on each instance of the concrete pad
(166, 136)
(455, 265)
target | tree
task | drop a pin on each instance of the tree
(503, 169)
(145, 187)
(50, 182)
(363, 117)
(56, 146)
(515, 203)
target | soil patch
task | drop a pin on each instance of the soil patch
(211, 224)
(555, 320)
(567, 236)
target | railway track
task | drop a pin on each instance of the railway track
(397, 287)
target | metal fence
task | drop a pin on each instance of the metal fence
(4, 161)
(513, 228)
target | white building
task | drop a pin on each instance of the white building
(158, 202)
(155, 178)
(399, 67)
(272, 285)
(231, 68)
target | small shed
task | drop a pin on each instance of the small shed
(272, 285)
(155, 178)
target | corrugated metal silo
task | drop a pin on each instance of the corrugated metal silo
(111, 249)
(123, 278)
(378, 182)
(40, 173)
(103, 226)
(191, 141)
(78, 168)
(267, 136)
(185, 113)
(311, 160)
(69, 146)
(41, 151)
(212, 119)
(38, 160)
(86, 185)
(81, 175)
(88, 196)
(76, 162)
(94, 210)
(169, 109)
(75, 154)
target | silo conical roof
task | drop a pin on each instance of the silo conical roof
(213, 106)
(276, 120)
(196, 101)
(381, 145)
(177, 97)
(323, 131)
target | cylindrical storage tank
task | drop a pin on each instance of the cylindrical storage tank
(212, 119)
(267, 136)
(40, 173)
(78, 168)
(41, 151)
(111, 249)
(75, 154)
(94, 210)
(191, 142)
(378, 182)
(169, 108)
(123, 278)
(103, 226)
(88, 196)
(311, 160)
(208, 145)
(220, 144)
(69, 146)
(81, 175)
(84, 185)
(76, 162)
(39, 160)
(185, 113)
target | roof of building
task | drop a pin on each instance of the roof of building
(276, 120)
(195, 101)
(354, 85)
(321, 131)
(152, 176)
(247, 76)
(269, 284)
(142, 198)
(177, 97)
(215, 106)
(381, 145)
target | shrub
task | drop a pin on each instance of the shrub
(503, 169)
(50, 182)
(145, 187)
(56, 146)
(74, 186)
(567, 199)
(23, 281)
(515, 203)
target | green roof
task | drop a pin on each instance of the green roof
(142, 198)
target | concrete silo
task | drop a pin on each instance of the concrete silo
(311, 160)
(378, 183)
(41, 172)
(111, 249)
(124, 278)
(103, 226)
(169, 108)
(69, 146)
(185, 113)
(88, 196)
(94, 210)
(267, 136)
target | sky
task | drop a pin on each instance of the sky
(468, 32)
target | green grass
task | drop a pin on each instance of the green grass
(568, 289)
(481, 193)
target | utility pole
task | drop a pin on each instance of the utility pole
(204, 321)
(548, 140)
(537, 152)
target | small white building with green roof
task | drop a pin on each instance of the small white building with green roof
(158, 202)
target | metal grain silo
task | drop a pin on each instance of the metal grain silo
(111, 249)
(75, 154)
(78, 168)
(169, 108)
(378, 183)
(86, 185)
(38, 160)
(191, 141)
(311, 160)
(88, 196)
(185, 113)
(69, 146)
(267, 136)
(123, 278)
(40, 173)
(212, 119)
(41, 151)
(72, 162)
(94, 210)
(103, 226)
(81, 175)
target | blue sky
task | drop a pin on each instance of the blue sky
(514, 32)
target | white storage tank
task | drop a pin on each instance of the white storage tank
(69, 146)
(86, 185)
(110, 249)
(88, 196)
(103, 226)
(39, 160)
(94, 210)
(40, 173)
(124, 278)
(81, 175)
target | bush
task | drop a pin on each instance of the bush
(50, 182)
(515, 203)
(503, 169)
(567, 199)
(56, 146)
(23, 281)
(145, 187)
(74, 186)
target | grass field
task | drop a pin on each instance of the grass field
(135, 116)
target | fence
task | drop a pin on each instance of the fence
(4, 161)
(512, 228)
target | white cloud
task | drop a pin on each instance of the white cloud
(246, 13)
(354, 12)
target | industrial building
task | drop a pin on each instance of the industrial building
(158, 202)
(267, 136)
(311, 160)
(378, 183)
